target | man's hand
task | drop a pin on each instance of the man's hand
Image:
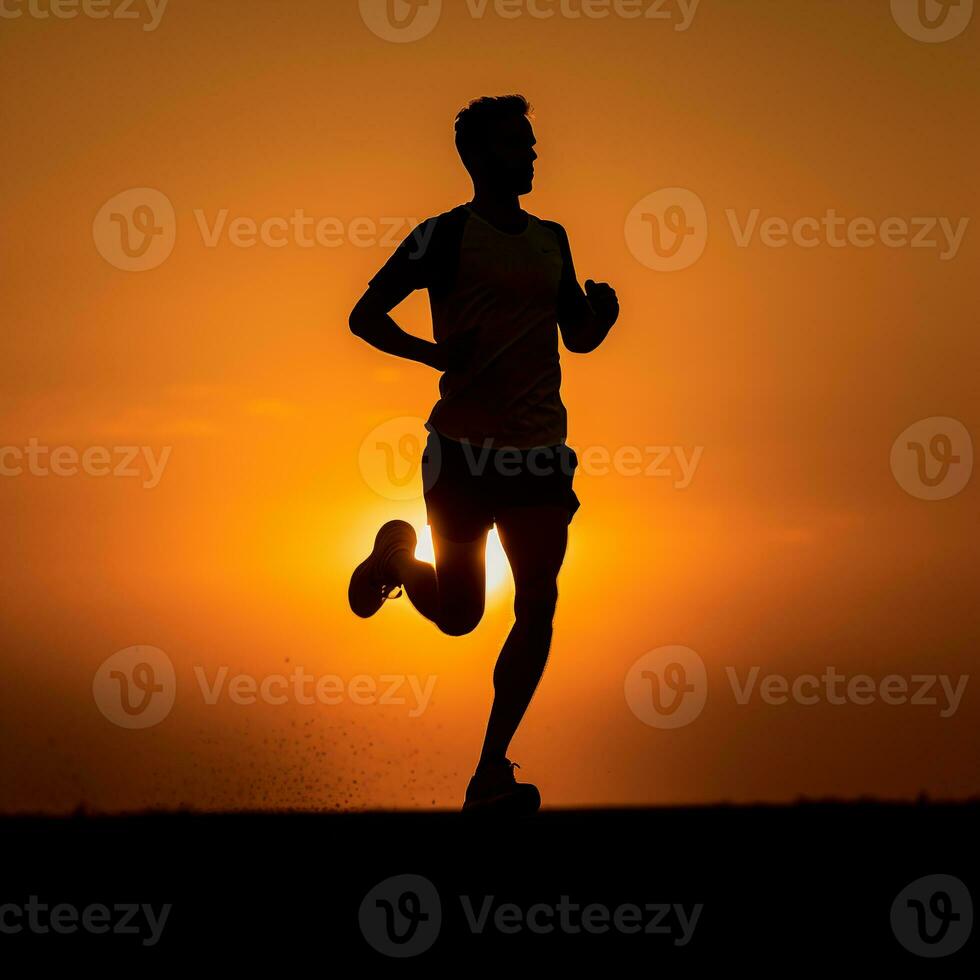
(602, 299)
(456, 352)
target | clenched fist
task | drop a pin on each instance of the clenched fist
(602, 299)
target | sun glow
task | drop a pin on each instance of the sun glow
(497, 566)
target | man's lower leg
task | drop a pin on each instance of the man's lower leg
(515, 678)
(418, 579)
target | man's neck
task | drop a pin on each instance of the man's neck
(501, 209)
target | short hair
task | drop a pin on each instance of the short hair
(474, 122)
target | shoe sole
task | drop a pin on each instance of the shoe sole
(363, 594)
(525, 801)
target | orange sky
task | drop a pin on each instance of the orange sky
(789, 371)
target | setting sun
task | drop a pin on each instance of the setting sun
(497, 567)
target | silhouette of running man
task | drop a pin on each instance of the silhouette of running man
(501, 286)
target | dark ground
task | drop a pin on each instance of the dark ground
(783, 888)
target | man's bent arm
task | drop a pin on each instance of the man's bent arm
(584, 318)
(371, 321)
(583, 329)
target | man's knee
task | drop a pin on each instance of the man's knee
(460, 620)
(535, 602)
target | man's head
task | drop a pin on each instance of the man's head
(496, 143)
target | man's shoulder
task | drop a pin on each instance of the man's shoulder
(553, 226)
(457, 214)
(442, 228)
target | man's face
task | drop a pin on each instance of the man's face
(510, 156)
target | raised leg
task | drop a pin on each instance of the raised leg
(452, 594)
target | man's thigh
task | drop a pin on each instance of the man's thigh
(534, 539)
(461, 576)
